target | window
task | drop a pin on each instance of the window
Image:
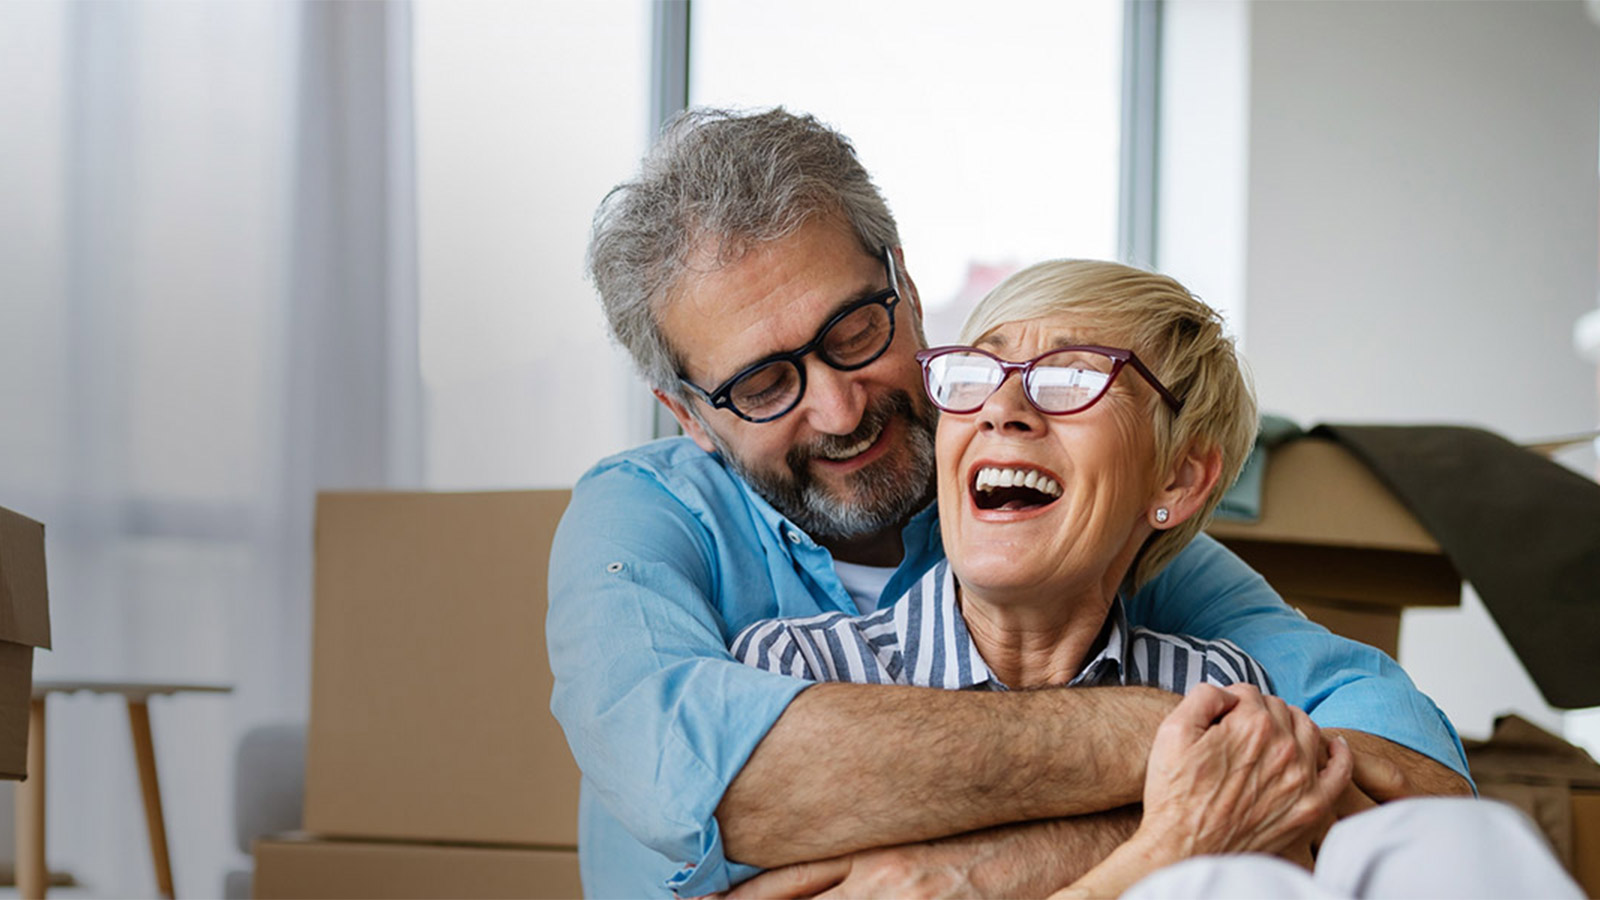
(993, 130)
(526, 114)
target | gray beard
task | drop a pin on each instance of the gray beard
(883, 496)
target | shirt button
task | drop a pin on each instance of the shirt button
(794, 537)
(614, 568)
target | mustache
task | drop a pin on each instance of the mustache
(886, 407)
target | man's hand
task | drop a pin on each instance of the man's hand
(1011, 861)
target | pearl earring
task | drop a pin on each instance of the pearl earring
(1162, 515)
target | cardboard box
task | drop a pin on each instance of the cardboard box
(302, 869)
(1333, 541)
(24, 625)
(1554, 782)
(430, 693)
(1586, 841)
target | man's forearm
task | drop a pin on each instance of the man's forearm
(1387, 771)
(868, 766)
(1035, 858)
(1027, 860)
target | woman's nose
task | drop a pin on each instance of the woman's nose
(1008, 408)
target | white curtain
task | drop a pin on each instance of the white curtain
(207, 313)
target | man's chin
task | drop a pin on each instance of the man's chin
(845, 505)
(881, 494)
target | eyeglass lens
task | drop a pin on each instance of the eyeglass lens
(850, 342)
(1061, 382)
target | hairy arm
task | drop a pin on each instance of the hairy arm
(1386, 771)
(1026, 860)
(902, 765)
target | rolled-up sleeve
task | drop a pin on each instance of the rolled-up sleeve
(1210, 593)
(659, 716)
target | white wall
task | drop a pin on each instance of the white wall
(1420, 236)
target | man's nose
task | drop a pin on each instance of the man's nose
(835, 401)
(1008, 409)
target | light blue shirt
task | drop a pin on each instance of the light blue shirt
(664, 555)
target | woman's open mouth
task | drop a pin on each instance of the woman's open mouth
(1013, 488)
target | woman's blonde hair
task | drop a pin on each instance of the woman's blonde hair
(1180, 338)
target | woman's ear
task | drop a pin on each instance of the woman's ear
(690, 425)
(1187, 486)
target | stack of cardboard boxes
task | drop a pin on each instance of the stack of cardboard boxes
(1337, 545)
(434, 767)
(24, 625)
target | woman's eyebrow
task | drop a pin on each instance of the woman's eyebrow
(1069, 340)
(998, 342)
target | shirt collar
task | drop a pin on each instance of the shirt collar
(920, 536)
(1108, 666)
(929, 609)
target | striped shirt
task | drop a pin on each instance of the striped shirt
(922, 640)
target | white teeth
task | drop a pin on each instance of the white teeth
(848, 452)
(991, 477)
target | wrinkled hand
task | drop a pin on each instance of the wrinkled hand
(912, 870)
(1233, 771)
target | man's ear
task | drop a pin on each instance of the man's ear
(690, 425)
(1188, 484)
(912, 296)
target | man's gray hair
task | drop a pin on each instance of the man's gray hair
(717, 183)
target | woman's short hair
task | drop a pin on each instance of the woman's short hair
(1179, 337)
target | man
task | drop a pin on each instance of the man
(742, 269)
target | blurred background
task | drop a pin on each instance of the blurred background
(250, 250)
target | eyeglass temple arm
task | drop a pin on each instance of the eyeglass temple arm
(1172, 401)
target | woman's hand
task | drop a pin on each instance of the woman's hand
(1233, 771)
(1230, 771)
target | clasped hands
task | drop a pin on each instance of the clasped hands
(1230, 770)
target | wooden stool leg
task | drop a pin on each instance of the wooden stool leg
(144, 750)
(33, 878)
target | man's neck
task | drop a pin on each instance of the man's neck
(883, 548)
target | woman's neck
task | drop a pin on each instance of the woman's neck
(1030, 646)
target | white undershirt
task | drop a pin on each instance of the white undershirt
(865, 584)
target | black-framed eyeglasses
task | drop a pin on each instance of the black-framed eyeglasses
(1061, 382)
(853, 339)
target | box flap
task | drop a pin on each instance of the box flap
(1317, 492)
(1331, 532)
(24, 600)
